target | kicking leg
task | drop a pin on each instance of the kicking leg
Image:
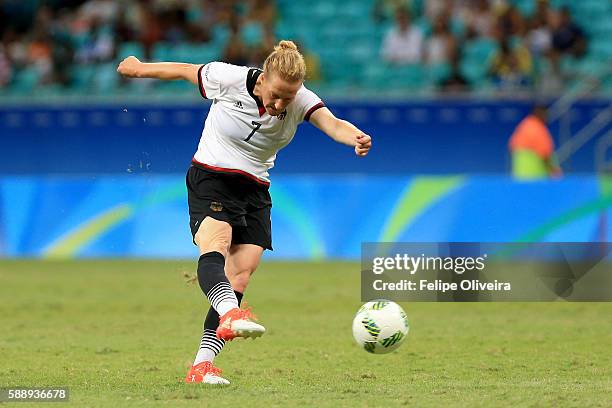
(213, 238)
(241, 262)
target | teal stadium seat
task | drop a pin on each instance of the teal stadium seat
(338, 73)
(375, 76)
(601, 27)
(25, 80)
(105, 79)
(50, 90)
(252, 34)
(354, 10)
(162, 51)
(526, 7)
(173, 88)
(593, 66)
(363, 51)
(601, 47)
(425, 26)
(186, 52)
(541, 65)
(607, 84)
(220, 36)
(130, 48)
(322, 11)
(439, 72)
(82, 76)
(301, 32)
(406, 76)
(477, 56)
(480, 49)
(335, 35)
(457, 27)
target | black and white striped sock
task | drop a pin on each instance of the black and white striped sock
(214, 282)
(210, 345)
(222, 298)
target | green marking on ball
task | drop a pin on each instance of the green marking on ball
(371, 326)
(391, 340)
(369, 346)
(379, 305)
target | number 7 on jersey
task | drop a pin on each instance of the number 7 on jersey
(255, 129)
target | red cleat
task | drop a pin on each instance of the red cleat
(239, 323)
(206, 373)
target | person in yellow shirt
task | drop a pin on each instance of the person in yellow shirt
(512, 66)
(532, 148)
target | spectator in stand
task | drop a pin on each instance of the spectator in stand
(433, 9)
(539, 42)
(455, 82)
(442, 44)
(62, 48)
(568, 37)
(313, 64)
(16, 49)
(480, 19)
(39, 55)
(403, 44)
(102, 11)
(260, 51)
(235, 51)
(199, 23)
(151, 29)
(543, 12)
(6, 70)
(539, 37)
(174, 24)
(384, 10)
(512, 66)
(262, 11)
(510, 23)
(99, 46)
(532, 148)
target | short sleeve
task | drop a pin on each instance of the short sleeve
(307, 102)
(216, 77)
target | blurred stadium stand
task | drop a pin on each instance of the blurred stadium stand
(72, 47)
(63, 54)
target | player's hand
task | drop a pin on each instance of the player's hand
(129, 67)
(364, 143)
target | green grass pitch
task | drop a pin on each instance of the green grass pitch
(123, 333)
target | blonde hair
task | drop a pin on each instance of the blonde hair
(286, 62)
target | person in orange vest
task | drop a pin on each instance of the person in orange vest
(532, 148)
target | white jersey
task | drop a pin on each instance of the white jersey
(239, 136)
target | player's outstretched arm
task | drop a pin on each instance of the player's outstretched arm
(341, 131)
(132, 67)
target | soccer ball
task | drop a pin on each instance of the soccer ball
(380, 326)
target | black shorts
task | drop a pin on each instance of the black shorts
(233, 198)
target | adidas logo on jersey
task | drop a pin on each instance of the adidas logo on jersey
(238, 105)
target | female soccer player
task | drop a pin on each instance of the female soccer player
(254, 113)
